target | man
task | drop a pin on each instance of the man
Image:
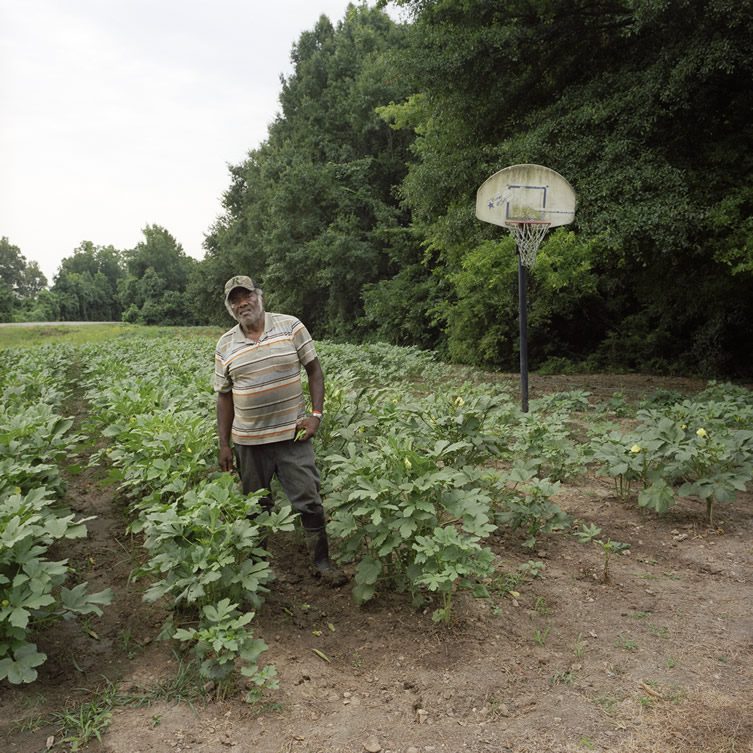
(260, 406)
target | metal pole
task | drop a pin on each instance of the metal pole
(523, 319)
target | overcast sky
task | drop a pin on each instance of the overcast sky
(115, 114)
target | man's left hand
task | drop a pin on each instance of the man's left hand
(309, 425)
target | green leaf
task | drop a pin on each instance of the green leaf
(252, 650)
(659, 496)
(77, 600)
(19, 617)
(368, 571)
(20, 669)
(363, 592)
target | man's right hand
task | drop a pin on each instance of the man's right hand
(226, 459)
(225, 412)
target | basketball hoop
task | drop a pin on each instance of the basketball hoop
(528, 235)
(527, 200)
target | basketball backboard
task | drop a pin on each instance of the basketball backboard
(526, 192)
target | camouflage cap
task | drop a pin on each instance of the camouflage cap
(238, 281)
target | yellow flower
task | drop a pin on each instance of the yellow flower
(683, 426)
(190, 451)
(408, 464)
(635, 449)
(459, 402)
(701, 433)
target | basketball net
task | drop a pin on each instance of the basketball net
(528, 235)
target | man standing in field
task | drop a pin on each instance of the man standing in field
(260, 406)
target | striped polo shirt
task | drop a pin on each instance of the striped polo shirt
(265, 378)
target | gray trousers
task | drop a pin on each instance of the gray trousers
(294, 465)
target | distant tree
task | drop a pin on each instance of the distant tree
(20, 282)
(12, 266)
(86, 285)
(157, 274)
(7, 301)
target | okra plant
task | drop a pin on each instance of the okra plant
(224, 639)
(588, 534)
(525, 502)
(33, 593)
(389, 500)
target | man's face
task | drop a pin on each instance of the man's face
(248, 308)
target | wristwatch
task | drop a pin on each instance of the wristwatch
(317, 414)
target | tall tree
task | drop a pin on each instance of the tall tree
(157, 274)
(86, 284)
(311, 214)
(20, 281)
(645, 106)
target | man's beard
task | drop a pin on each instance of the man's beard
(252, 317)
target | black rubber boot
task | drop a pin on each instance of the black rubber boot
(318, 546)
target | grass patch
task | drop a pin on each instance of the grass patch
(79, 724)
(712, 723)
(21, 336)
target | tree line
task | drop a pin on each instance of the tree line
(357, 211)
(143, 285)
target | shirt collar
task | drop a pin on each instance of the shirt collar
(240, 337)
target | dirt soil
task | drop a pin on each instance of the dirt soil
(660, 659)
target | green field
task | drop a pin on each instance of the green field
(446, 505)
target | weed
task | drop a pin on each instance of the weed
(128, 643)
(30, 723)
(506, 583)
(627, 644)
(608, 703)
(540, 636)
(541, 607)
(497, 709)
(89, 720)
(615, 670)
(675, 694)
(532, 568)
(659, 632)
(562, 678)
(580, 646)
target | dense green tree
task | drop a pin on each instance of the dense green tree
(7, 301)
(153, 290)
(645, 106)
(20, 282)
(311, 214)
(12, 265)
(86, 284)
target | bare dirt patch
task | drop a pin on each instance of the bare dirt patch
(660, 659)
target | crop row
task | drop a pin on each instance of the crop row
(418, 473)
(35, 440)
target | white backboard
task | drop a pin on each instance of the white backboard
(526, 192)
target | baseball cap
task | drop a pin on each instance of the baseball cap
(239, 281)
